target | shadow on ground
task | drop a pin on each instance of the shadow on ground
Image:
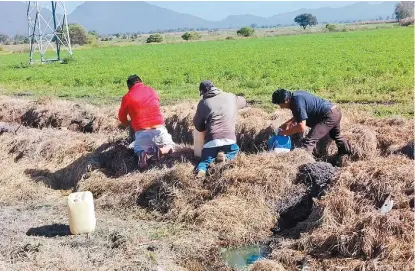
(50, 230)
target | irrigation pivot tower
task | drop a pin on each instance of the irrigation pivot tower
(48, 30)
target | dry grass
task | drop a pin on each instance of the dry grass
(353, 227)
(238, 221)
(237, 204)
(267, 265)
(48, 112)
(363, 143)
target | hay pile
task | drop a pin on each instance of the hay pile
(179, 121)
(237, 220)
(362, 140)
(45, 113)
(236, 204)
(269, 174)
(370, 137)
(116, 158)
(406, 149)
(390, 132)
(352, 226)
(266, 265)
(56, 157)
(239, 202)
(49, 145)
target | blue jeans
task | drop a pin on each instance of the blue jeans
(209, 155)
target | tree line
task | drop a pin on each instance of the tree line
(403, 12)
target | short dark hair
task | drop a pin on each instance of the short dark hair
(205, 86)
(280, 95)
(132, 80)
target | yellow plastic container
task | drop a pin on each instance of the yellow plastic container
(198, 142)
(81, 212)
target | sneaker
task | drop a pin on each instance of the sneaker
(142, 160)
(221, 157)
(201, 174)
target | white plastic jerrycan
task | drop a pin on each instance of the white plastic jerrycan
(81, 212)
(198, 142)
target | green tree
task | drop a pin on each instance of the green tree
(404, 9)
(191, 36)
(3, 38)
(92, 40)
(77, 34)
(93, 32)
(306, 19)
(245, 31)
(155, 38)
(20, 39)
(331, 27)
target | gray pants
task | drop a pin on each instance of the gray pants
(146, 140)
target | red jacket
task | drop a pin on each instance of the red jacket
(142, 104)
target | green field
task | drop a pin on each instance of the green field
(367, 67)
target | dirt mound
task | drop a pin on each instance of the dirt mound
(319, 173)
(312, 181)
(270, 174)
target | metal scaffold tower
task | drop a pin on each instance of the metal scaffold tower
(48, 30)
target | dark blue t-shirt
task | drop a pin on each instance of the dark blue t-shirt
(308, 107)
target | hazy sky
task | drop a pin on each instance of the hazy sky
(218, 10)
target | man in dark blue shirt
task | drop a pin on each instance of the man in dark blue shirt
(309, 110)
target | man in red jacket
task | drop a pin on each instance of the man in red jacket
(142, 104)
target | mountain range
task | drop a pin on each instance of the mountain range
(123, 17)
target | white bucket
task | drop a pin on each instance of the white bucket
(280, 150)
(81, 212)
(198, 142)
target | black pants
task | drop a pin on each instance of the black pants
(329, 124)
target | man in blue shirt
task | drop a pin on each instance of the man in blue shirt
(309, 110)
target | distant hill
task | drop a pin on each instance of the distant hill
(353, 12)
(13, 18)
(113, 17)
(121, 17)
(358, 11)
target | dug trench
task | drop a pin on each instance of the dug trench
(320, 215)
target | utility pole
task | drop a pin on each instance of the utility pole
(48, 31)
